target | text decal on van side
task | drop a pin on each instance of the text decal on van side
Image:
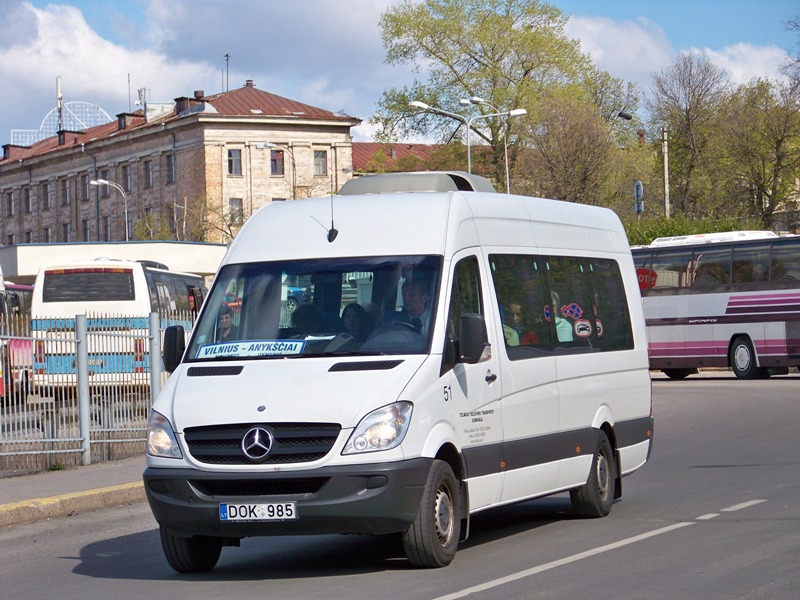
(252, 348)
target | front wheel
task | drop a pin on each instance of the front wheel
(594, 499)
(198, 554)
(743, 359)
(432, 538)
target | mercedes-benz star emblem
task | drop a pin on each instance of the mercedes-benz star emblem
(256, 443)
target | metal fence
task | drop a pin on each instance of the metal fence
(77, 391)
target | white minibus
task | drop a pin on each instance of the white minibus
(451, 351)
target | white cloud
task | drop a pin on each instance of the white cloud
(745, 61)
(631, 49)
(635, 50)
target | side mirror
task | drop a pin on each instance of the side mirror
(473, 341)
(174, 347)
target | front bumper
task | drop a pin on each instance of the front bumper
(367, 499)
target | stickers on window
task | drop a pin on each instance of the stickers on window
(251, 348)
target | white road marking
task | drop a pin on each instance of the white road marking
(589, 553)
(736, 507)
(561, 562)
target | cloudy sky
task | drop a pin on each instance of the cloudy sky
(327, 53)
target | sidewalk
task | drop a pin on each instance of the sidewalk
(55, 494)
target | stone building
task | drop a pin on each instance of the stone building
(190, 170)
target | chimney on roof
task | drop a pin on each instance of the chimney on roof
(12, 150)
(249, 83)
(198, 94)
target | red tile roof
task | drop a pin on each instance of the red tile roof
(245, 101)
(365, 152)
(249, 100)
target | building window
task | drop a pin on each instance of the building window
(148, 173)
(320, 162)
(26, 194)
(237, 211)
(106, 228)
(47, 235)
(84, 187)
(10, 239)
(234, 162)
(85, 229)
(28, 237)
(10, 204)
(105, 190)
(276, 162)
(170, 168)
(126, 178)
(65, 199)
(66, 232)
(45, 196)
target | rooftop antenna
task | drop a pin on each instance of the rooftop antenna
(332, 232)
(227, 71)
(59, 104)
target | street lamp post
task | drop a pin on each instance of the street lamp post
(664, 152)
(265, 145)
(517, 112)
(422, 106)
(119, 188)
(468, 122)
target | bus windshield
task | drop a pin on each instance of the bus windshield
(376, 305)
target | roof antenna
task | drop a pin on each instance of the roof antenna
(332, 232)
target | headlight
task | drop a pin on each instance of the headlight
(161, 440)
(382, 429)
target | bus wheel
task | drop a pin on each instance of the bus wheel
(678, 373)
(432, 538)
(596, 497)
(197, 554)
(743, 359)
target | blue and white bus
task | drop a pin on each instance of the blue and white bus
(117, 298)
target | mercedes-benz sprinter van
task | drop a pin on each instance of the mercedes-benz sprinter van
(454, 350)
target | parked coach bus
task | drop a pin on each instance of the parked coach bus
(117, 297)
(722, 300)
(15, 351)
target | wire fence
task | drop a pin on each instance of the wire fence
(76, 391)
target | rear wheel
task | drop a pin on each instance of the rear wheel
(198, 554)
(679, 373)
(432, 538)
(743, 359)
(596, 497)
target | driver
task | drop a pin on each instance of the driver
(415, 306)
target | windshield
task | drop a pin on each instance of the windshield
(370, 306)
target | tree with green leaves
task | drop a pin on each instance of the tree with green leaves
(762, 144)
(508, 53)
(688, 99)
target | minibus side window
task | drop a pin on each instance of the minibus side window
(523, 300)
(465, 297)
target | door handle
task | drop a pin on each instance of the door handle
(491, 378)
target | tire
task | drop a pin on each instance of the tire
(292, 304)
(678, 373)
(432, 539)
(594, 499)
(743, 359)
(197, 554)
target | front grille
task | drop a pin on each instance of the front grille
(293, 442)
(259, 487)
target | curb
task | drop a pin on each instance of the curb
(65, 505)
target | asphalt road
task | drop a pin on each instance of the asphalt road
(715, 514)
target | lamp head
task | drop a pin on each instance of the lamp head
(517, 112)
(418, 105)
